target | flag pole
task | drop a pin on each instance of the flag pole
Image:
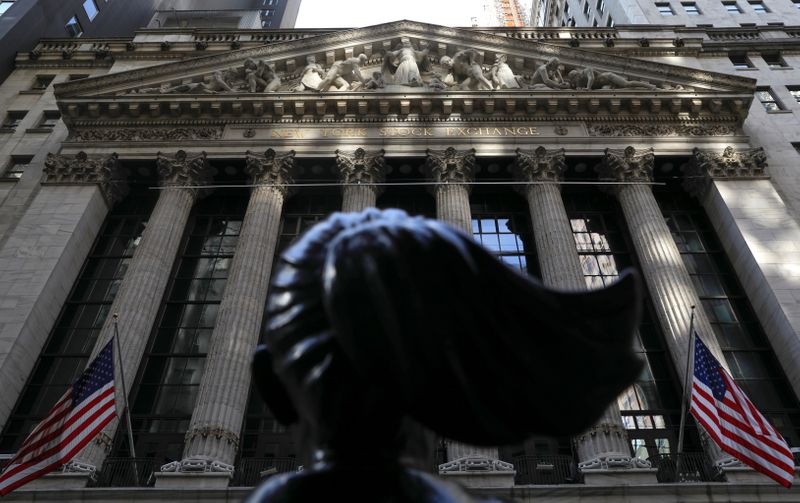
(127, 411)
(686, 387)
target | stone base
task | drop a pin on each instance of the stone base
(481, 480)
(619, 477)
(59, 480)
(188, 480)
(746, 475)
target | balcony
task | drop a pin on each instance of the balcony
(546, 470)
(251, 471)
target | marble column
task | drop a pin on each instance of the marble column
(606, 444)
(452, 171)
(360, 171)
(142, 289)
(665, 274)
(212, 440)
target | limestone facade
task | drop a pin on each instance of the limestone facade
(631, 117)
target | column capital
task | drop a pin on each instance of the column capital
(540, 165)
(183, 170)
(730, 164)
(82, 169)
(627, 165)
(450, 165)
(362, 167)
(271, 168)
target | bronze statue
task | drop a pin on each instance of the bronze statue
(376, 316)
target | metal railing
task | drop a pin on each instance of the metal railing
(127, 472)
(694, 467)
(251, 471)
(546, 470)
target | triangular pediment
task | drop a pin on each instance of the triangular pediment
(404, 59)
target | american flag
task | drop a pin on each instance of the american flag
(86, 407)
(734, 422)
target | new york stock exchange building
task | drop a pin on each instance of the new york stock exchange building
(156, 178)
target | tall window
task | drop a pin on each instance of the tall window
(774, 60)
(650, 407)
(501, 223)
(747, 352)
(70, 342)
(13, 119)
(758, 6)
(17, 166)
(169, 376)
(665, 9)
(691, 8)
(795, 92)
(740, 61)
(90, 7)
(732, 7)
(73, 27)
(5, 5)
(770, 102)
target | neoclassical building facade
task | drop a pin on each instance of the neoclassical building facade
(152, 197)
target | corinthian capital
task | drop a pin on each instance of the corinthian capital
(540, 165)
(183, 170)
(104, 171)
(361, 167)
(451, 165)
(627, 165)
(271, 168)
(730, 164)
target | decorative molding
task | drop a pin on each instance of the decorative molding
(183, 171)
(361, 167)
(271, 169)
(475, 464)
(103, 171)
(730, 164)
(212, 430)
(627, 165)
(450, 165)
(540, 165)
(661, 130)
(146, 134)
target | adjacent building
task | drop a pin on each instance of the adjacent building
(24, 22)
(156, 176)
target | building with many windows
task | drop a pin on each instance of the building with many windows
(160, 184)
(24, 22)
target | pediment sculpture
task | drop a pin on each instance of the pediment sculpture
(405, 67)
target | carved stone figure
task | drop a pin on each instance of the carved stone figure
(376, 82)
(312, 75)
(342, 74)
(403, 64)
(216, 83)
(261, 76)
(587, 78)
(548, 76)
(374, 316)
(502, 75)
(465, 70)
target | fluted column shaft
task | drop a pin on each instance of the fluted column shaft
(555, 244)
(216, 423)
(560, 266)
(358, 197)
(667, 279)
(452, 206)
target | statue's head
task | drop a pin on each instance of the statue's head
(375, 315)
(362, 58)
(446, 61)
(311, 59)
(501, 58)
(552, 64)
